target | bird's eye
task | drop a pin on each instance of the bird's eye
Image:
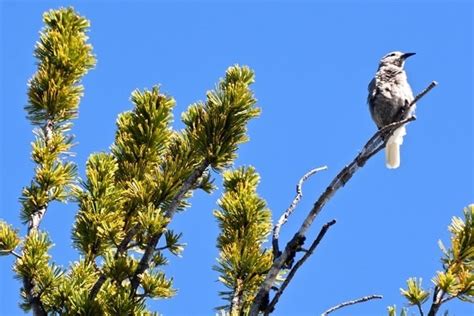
(391, 55)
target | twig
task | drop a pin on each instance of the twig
(348, 303)
(447, 299)
(420, 309)
(374, 145)
(284, 217)
(298, 264)
(424, 92)
(14, 253)
(162, 248)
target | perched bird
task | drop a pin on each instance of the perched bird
(389, 96)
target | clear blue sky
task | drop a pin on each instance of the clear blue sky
(313, 62)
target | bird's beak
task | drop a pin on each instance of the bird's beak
(406, 55)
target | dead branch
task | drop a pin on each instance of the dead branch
(423, 93)
(284, 217)
(298, 264)
(348, 303)
(374, 145)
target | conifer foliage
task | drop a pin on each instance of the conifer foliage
(129, 195)
(64, 56)
(456, 280)
(245, 223)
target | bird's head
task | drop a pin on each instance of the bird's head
(395, 58)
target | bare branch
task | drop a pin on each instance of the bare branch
(284, 217)
(298, 264)
(374, 145)
(353, 302)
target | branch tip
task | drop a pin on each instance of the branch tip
(284, 217)
(353, 302)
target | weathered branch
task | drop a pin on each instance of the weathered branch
(298, 264)
(144, 263)
(374, 145)
(353, 302)
(284, 217)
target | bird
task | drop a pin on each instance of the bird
(390, 95)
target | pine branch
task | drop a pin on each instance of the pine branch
(53, 99)
(353, 302)
(284, 217)
(376, 143)
(244, 222)
(144, 263)
(121, 249)
(298, 264)
(145, 260)
(214, 129)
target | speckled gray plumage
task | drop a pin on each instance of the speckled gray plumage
(389, 91)
(389, 94)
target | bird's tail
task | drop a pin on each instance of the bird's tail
(392, 149)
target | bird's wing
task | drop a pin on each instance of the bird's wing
(372, 91)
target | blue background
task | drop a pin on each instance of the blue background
(313, 61)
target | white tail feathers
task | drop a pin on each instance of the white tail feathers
(392, 149)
